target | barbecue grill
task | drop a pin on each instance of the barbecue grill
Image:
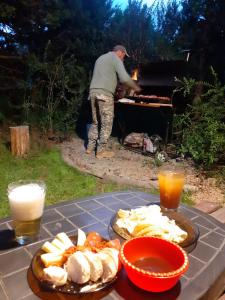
(151, 111)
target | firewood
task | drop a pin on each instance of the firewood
(20, 141)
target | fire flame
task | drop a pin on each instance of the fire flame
(135, 74)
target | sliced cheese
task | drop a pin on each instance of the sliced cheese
(51, 259)
(63, 237)
(49, 248)
(81, 238)
(56, 275)
(58, 244)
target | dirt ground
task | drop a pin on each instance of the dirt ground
(135, 169)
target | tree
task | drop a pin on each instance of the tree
(202, 31)
(132, 27)
(167, 18)
(25, 28)
(72, 29)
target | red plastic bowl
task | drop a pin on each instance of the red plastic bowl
(169, 255)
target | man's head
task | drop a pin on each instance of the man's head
(120, 51)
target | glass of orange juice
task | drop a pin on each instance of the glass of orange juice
(171, 182)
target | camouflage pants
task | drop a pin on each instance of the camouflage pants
(102, 120)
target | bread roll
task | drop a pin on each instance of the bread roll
(114, 255)
(109, 268)
(95, 263)
(78, 268)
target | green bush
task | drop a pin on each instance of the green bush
(56, 92)
(202, 125)
(204, 141)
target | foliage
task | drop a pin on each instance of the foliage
(132, 27)
(201, 29)
(77, 32)
(203, 127)
(187, 198)
(56, 92)
(73, 32)
(166, 21)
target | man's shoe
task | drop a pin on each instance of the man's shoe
(89, 151)
(105, 154)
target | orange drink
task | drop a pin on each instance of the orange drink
(171, 184)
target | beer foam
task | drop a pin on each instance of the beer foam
(27, 202)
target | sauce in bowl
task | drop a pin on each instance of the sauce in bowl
(154, 264)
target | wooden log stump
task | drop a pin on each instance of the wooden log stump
(20, 140)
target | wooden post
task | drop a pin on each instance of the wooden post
(20, 141)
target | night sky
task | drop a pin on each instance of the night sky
(123, 3)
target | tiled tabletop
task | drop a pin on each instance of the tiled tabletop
(205, 278)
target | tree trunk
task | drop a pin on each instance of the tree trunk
(20, 141)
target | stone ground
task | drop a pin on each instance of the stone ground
(135, 169)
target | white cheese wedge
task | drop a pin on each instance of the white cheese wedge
(55, 275)
(59, 245)
(63, 237)
(81, 237)
(51, 259)
(49, 248)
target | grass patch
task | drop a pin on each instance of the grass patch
(186, 199)
(63, 182)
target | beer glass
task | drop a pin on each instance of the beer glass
(171, 182)
(26, 201)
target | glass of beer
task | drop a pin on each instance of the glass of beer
(171, 182)
(26, 201)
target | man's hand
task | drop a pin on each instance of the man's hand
(137, 89)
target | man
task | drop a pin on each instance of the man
(108, 69)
